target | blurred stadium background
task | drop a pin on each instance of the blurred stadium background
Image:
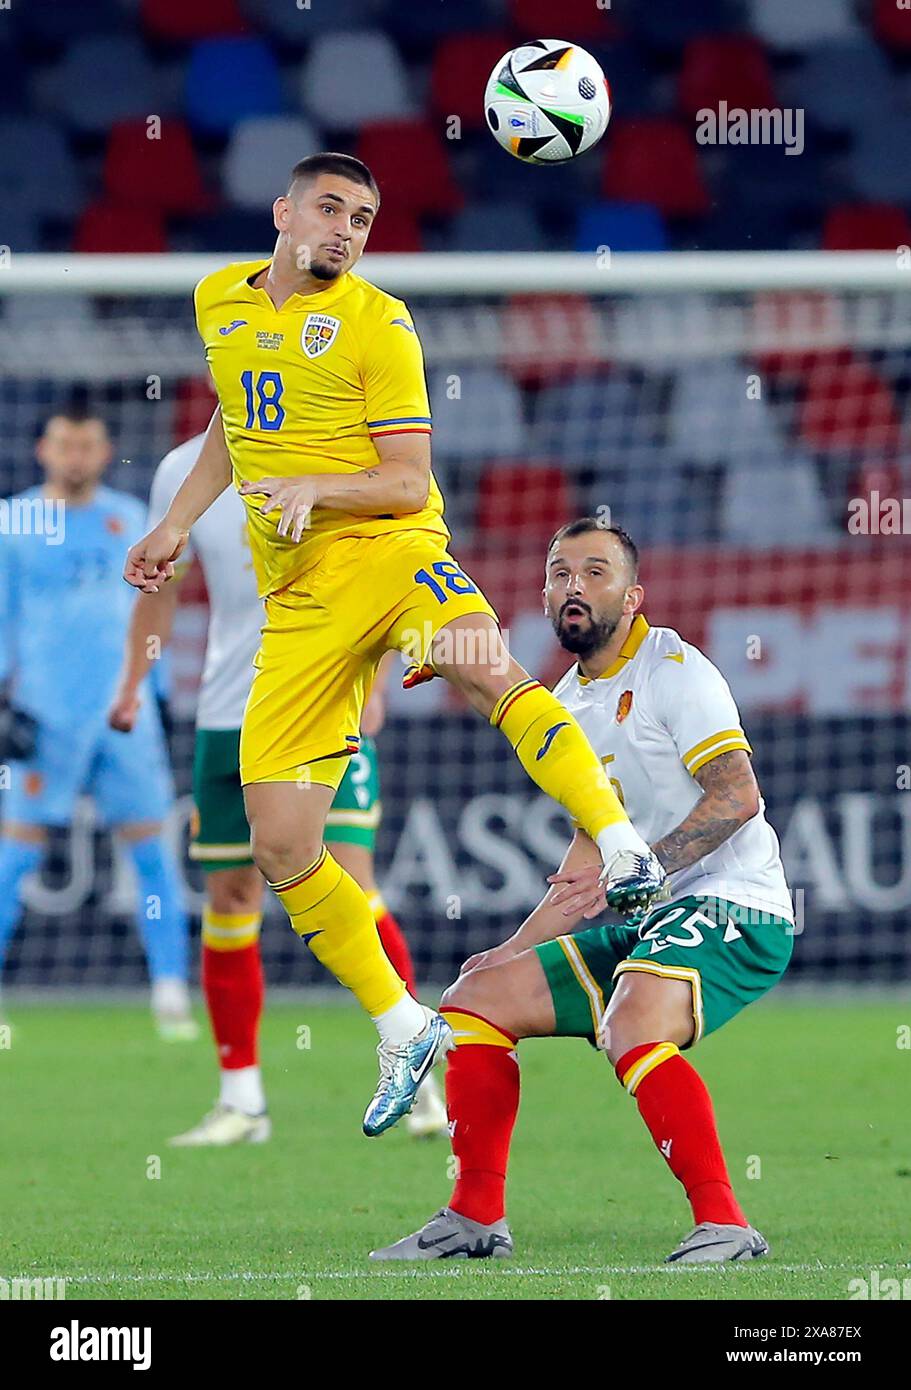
(725, 410)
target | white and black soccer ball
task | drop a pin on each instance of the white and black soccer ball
(547, 101)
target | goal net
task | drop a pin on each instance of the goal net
(745, 418)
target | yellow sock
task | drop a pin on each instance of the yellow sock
(332, 915)
(555, 753)
(472, 1028)
(229, 931)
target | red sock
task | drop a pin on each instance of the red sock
(675, 1104)
(482, 1100)
(233, 985)
(396, 948)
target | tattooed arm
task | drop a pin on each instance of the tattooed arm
(730, 797)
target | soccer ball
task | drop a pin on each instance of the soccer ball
(547, 101)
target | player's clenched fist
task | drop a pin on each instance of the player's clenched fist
(150, 562)
(295, 498)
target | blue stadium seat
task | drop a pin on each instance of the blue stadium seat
(230, 79)
(483, 422)
(766, 179)
(37, 170)
(12, 74)
(496, 226)
(20, 230)
(621, 226)
(634, 84)
(416, 28)
(652, 498)
(299, 26)
(786, 26)
(228, 233)
(878, 165)
(843, 83)
(261, 153)
(333, 87)
(103, 80)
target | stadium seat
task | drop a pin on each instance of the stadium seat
(21, 229)
(102, 80)
(203, 19)
(635, 87)
(230, 79)
(779, 503)
(789, 27)
(229, 232)
(496, 226)
(866, 227)
(37, 171)
(842, 83)
(878, 166)
(590, 417)
(462, 64)
(341, 104)
(484, 418)
(587, 23)
(522, 500)
(410, 163)
(109, 227)
(196, 400)
(620, 226)
(724, 67)
(299, 26)
(162, 173)
(651, 497)
(61, 22)
(12, 75)
(655, 161)
(712, 419)
(260, 155)
(545, 337)
(892, 24)
(851, 410)
(767, 181)
(666, 24)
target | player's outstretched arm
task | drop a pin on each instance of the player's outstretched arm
(548, 919)
(150, 562)
(147, 636)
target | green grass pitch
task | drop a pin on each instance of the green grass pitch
(812, 1099)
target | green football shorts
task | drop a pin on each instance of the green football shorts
(220, 833)
(728, 954)
(355, 814)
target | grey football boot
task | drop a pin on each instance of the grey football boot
(449, 1236)
(711, 1243)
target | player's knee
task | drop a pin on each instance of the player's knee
(235, 890)
(644, 1009)
(278, 854)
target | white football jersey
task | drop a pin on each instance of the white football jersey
(236, 617)
(657, 715)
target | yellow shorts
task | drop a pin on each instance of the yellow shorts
(326, 633)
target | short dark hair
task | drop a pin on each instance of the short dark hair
(344, 166)
(584, 524)
(77, 411)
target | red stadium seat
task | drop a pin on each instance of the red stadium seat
(866, 227)
(110, 227)
(462, 64)
(548, 336)
(581, 18)
(892, 24)
(522, 504)
(849, 410)
(202, 19)
(727, 67)
(410, 164)
(396, 229)
(655, 161)
(162, 173)
(196, 401)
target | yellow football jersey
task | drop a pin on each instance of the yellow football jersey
(306, 389)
